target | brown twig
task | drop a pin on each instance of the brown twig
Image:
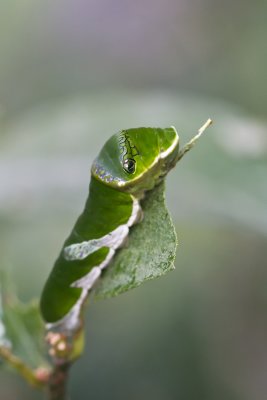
(57, 385)
(64, 349)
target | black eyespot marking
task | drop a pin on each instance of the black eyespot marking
(129, 165)
(128, 152)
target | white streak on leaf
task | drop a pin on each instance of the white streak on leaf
(3, 339)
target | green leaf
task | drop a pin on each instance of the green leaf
(21, 327)
(150, 252)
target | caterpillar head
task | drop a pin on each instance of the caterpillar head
(135, 160)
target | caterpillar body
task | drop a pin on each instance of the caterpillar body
(130, 163)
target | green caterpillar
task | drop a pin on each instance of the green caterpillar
(131, 162)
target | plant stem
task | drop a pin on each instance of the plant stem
(64, 349)
(188, 146)
(57, 385)
(24, 370)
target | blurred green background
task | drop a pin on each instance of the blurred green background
(71, 74)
